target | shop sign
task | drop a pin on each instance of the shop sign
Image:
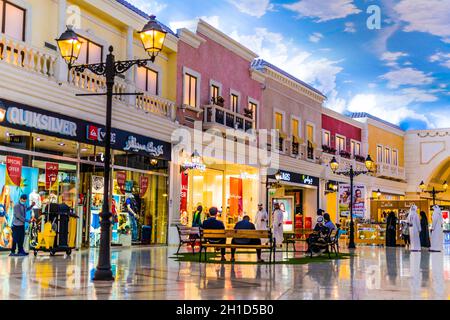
(13, 171)
(98, 184)
(51, 174)
(184, 191)
(98, 134)
(143, 185)
(42, 122)
(132, 144)
(121, 177)
(298, 178)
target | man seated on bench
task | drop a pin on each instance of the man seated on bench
(318, 236)
(214, 224)
(245, 224)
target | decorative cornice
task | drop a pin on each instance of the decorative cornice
(282, 79)
(432, 134)
(190, 38)
(385, 127)
(206, 29)
(258, 76)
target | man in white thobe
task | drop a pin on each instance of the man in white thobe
(414, 228)
(277, 225)
(437, 237)
(261, 218)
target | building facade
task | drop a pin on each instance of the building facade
(55, 139)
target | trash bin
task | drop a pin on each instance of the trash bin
(146, 234)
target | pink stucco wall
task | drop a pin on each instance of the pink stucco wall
(336, 126)
(215, 62)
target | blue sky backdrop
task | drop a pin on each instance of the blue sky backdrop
(400, 72)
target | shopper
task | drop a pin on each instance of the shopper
(197, 217)
(261, 218)
(391, 230)
(277, 225)
(405, 233)
(330, 225)
(414, 228)
(319, 235)
(214, 224)
(245, 224)
(437, 241)
(424, 232)
(18, 225)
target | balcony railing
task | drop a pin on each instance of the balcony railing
(43, 62)
(22, 55)
(215, 115)
(390, 171)
(344, 163)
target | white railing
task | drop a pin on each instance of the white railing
(214, 114)
(21, 55)
(344, 163)
(156, 105)
(390, 171)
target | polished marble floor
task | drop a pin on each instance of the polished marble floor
(149, 273)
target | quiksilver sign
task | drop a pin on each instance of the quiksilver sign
(41, 122)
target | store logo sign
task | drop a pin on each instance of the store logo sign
(95, 133)
(285, 176)
(133, 145)
(307, 180)
(41, 122)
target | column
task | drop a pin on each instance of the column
(61, 67)
(174, 202)
(129, 76)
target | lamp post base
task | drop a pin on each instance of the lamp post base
(351, 246)
(103, 275)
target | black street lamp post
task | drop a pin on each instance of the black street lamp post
(433, 192)
(351, 173)
(152, 36)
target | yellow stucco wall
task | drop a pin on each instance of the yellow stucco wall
(379, 136)
(105, 28)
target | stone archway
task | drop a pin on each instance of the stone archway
(427, 158)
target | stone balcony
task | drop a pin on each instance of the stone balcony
(390, 172)
(43, 62)
(222, 119)
(344, 163)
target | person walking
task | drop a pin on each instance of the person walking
(437, 241)
(391, 230)
(424, 232)
(277, 225)
(261, 218)
(18, 226)
(405, 234)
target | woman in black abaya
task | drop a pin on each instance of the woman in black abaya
(391, 230)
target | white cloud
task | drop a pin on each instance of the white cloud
(323, 10)
(442, 58)
(350, 27)
(255, 8)
(392, 108)
(392, 56)
(149, 6)
(192, 24)
(273, 47)
(316, 37)
(431, 16)
(406, 76)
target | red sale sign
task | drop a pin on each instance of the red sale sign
(13, 171)
(143, 185)
(184, 191)
(51, 175)
(121, 177)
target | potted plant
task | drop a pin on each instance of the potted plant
(344, 154)
(219, 101)
(248, 113)
(359, 158)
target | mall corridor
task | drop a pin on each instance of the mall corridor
(150, 273)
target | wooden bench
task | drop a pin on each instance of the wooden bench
(211, 234)
(299, 235)
(331, 243)
(189, 236)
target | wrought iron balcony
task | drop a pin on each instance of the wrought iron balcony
(222, 118)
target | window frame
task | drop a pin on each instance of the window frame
(329, 137)
(387, 151)
(380, 147)
(308, 123)
(254, 102)
(337, 137)
(195, 74)
(215, 84)
(394, 159)
(353, 144)
(238, 106)
(86, 41)
(147, 69)
(24, 23)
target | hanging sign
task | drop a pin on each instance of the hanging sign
(51, 175)
(184, 191)
(121, 177)
(13, 171)
(359, 194)
(143, 185)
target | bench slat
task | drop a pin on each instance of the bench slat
(247, 246)
(241, 234)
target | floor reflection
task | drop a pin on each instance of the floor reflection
(150, 273)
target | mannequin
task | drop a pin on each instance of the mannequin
(36, 198)
(131, 207)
